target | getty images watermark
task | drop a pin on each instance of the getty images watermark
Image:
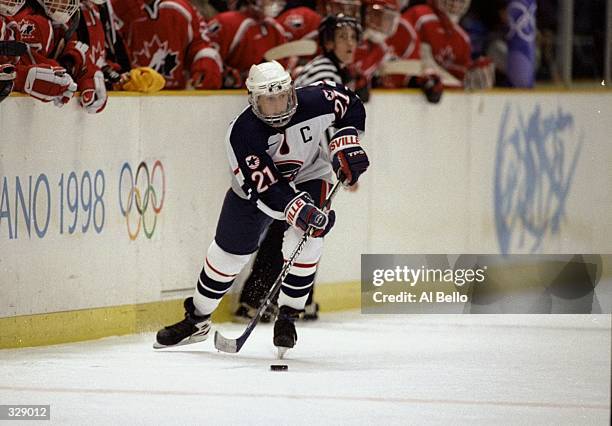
(411, 277)
(441, 283)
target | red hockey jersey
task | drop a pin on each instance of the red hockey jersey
(166, 35)
(300, 22)
(450, 45)
(242, 42)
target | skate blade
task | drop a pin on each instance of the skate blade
(188, 341)
(281, 352)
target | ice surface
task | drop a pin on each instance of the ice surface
(347, 369)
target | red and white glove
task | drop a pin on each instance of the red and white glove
(205, 75)
(7, 72)
(302, 213)
(49, 83)
(93, 93)
(480, 75)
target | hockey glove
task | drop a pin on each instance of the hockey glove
(432, 87)
(74, 58)
(93, 93)
(7, 76)
(231, 78)
(205, 75)
(481, 75)
(349, 160)
(49, 83)
(302, 213)
(111, 76)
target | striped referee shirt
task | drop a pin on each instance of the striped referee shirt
(321, 68)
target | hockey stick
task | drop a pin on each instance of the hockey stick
(12, 48)
(414, 67)
(408, 67)
(234, 345)
(292, 48)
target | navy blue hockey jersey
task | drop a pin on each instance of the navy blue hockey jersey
(266, 161)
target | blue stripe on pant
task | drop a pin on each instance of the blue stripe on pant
(297, 287)
(211, 288)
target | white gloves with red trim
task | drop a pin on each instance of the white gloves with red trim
(93, 93)
(49, 84)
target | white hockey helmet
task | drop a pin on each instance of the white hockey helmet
(60, 11)
(455, 9)
(269, 8)
(271, 93)
(350, 8)
(98, 2)
(10, 7)
(381, 18)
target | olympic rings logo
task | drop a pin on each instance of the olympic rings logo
(139, 191)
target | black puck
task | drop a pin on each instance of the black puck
(279, 367)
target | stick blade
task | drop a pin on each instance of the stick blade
(407, 67)
(292, 48)
(224, 344)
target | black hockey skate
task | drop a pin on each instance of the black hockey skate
(311, 312)
(284, 329)
(245, 313)
(194, 328)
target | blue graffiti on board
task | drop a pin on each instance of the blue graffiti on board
(536, 160)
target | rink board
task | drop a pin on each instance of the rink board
(501, 172)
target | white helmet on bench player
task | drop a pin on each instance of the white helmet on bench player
(269, 8)
(455, 9)
(60, 11)
(271, 93)
(381, 18)
(10, 7)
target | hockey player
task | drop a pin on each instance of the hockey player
(436, 23)
(389, 37)
(380, 21)
(168, 36)
(338, 37)
(280, 172)
(243, 36)
(36, 72)
(84, 56)
(350, 8)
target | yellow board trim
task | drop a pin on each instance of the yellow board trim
(87, 324)
(593, 88)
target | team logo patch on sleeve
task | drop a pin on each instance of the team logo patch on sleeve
(252, 161)
(295, 21)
